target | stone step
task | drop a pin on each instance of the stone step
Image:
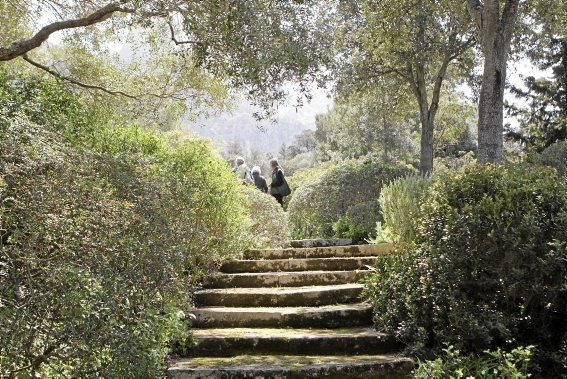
(280, 296)
(331, 316)
(302, 264)
(321, 242)
(294, 367)
(235, 341)
(284, 279)
(322, 252)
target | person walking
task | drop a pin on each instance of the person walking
(242, 171)
(259, 180)
(279, 187)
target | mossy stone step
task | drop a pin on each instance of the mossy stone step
(284, 279)
(300, 264)
(321, 242)
(280, 296)
(235, 341)
(321, 252)
(294, 367)
(331, 316)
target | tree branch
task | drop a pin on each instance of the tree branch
(174, 39)
(71, 80)
(475, 10)
(164, 95)
(437, 87)
(21, 47)
(463, 47)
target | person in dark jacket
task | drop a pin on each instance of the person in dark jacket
(277, 181)
(259, 180)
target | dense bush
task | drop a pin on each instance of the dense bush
(555, 156)
(488, 268)
(303, 177)
(103, 230)
(400, 201)
(269, 221)
(342, 202)
(488, 365)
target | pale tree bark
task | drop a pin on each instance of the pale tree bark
(496, 28)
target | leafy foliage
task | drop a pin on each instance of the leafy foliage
(489, 365)
(400, 201)
(367, 124)
(406, 48)
(269, 221)
(543, 120)
(303, 177)
(555, 156)
(182, 55)
(103, 233)
(487, 269)
(346, 196)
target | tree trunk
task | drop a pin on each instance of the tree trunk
(491, 106)
(426, 156)
(385, 142)
(496, 29)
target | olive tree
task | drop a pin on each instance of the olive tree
(415, 43)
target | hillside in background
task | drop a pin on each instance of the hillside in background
(240, 128)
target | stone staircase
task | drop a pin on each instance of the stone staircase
(291, 313)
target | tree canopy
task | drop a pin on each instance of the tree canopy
(180, 51)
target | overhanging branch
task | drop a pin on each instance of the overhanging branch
(73, 81)
(21, 47)
(164, 95)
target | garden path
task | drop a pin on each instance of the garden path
(291, 313)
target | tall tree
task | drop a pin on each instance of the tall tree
(496, 21)
(543, 118)
(499, 23)
(414, 42)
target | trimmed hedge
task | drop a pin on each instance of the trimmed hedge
(269, 227)
(487, 268)
(342, 202)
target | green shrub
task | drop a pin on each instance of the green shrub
(488, 267)
(304, 176)
(488, 365)
(100, 244)
(358, 221)
(400, 201)
(269, 221)
(555, 156)
(345, 197)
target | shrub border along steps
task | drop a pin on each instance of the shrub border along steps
(280, 310)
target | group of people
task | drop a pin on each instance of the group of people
(278, 187)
